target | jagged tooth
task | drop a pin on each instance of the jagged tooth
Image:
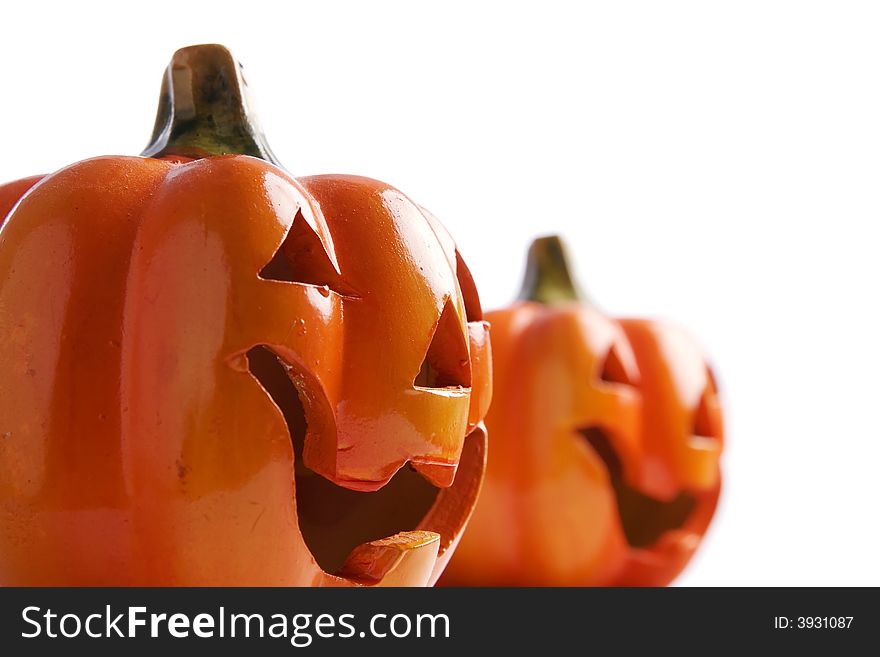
(405, 559)
(440, 474)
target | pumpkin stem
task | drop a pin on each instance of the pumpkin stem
(548, 276)
(203, 108)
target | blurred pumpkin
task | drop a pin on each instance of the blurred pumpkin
(217, 374)
(606, 438)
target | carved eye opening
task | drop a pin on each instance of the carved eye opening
(301, 258)
(446, 363)
(707, 418)
(712, 380)
(613, 369)
(472, 307)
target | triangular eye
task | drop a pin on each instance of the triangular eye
(468, 290)
(301, 258)
(713, 382)
(706, 419)
(446, 364)
(613, 370)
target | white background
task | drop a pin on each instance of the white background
(713, 163)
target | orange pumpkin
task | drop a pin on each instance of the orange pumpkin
(217, 374)
(606, 437)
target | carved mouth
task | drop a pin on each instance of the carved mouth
(342, 527)
(644, 519)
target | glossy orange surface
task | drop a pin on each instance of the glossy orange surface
(11, 192)
(606, 438)
(140, 444)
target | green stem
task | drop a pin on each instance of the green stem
(548, 276)
(203, 108)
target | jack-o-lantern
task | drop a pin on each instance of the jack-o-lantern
(214, 373)
(606, 437)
